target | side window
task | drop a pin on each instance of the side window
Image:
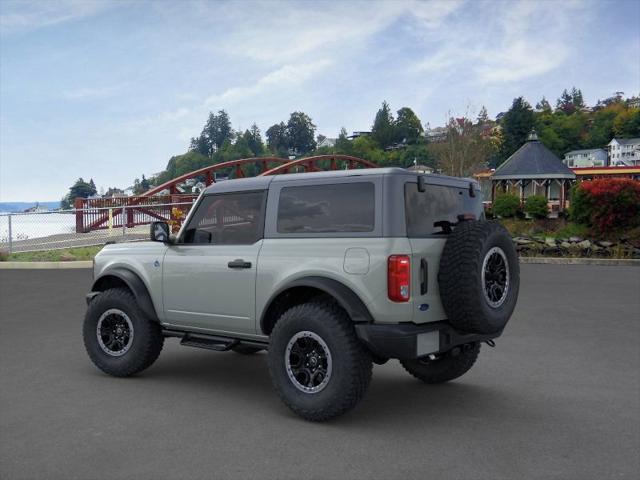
(227, 219)
(342, 207)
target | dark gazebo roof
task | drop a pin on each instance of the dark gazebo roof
(532, 160)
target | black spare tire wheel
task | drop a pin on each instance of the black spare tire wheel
(479, 277)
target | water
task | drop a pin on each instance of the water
(37, 225)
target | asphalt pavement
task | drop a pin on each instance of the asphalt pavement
(558, 398)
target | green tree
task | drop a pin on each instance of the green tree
(343, 144)
(483, 116)
(277, 139)
(383, 130)
(517, 123)
(367, 148)
(301, 133)
(408, 126)
(216, 131)
(80, 189)
(627, 124)
(565, 103)
(253, 138)
(577, 99)
(544, 106)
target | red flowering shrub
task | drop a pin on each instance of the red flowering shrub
(607, 204)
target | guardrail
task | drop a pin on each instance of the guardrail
(57, 229)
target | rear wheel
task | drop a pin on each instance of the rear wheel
(317, 365)
(118, 337)
(445, 367)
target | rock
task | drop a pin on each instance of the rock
(522, 241)
(605, 244)
(575, 239)
(566, 245)
(550, 241)
(584, 244)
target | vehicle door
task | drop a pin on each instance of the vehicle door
(209, 275)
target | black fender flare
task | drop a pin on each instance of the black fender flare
(135, 284)
(346, 298)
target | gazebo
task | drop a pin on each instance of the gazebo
(534, 170)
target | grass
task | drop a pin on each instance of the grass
(64, 255)
(551, 227)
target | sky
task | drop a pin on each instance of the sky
(110, 90)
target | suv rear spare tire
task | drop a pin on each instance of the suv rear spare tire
(479, 277)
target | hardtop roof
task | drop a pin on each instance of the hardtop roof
(262, 183)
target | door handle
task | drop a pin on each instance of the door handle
(239, 263)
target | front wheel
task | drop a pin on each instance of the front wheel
(317, 365)
(119, 338)
(448, 366)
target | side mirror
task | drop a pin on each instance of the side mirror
(159, 232)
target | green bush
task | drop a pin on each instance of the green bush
(506, 205)
(536, 206)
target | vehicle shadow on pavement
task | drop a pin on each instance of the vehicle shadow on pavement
(394, 397)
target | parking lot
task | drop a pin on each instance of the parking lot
(559, 397)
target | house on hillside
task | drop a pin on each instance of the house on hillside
(593, 157)
(534, 170)
(327, 142)
(624, 152)
(358, 134)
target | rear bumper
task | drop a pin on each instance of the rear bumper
(408, 340)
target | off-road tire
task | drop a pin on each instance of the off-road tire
(246, 349)
(147, 339)
(460, 277)
(446, 368)
(351, 363)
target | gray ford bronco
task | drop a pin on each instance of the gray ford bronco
(329, 272)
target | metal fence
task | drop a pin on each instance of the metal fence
(53, 230)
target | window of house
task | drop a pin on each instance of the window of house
(227, 219)
(341, 207)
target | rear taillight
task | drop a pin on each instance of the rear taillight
(398, 278)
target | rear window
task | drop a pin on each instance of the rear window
(344, 207)
(424, 209)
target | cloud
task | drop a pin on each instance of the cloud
(285, 77)
(526, 40)
(21, 16)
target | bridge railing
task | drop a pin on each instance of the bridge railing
(102, 213)
(57, 229)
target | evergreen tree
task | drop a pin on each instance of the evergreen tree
(517, 123)
(565, 103)
(483, 116)
(343, 144)
(576, 99)
(253, 139)
(543, 106)
(382, 130)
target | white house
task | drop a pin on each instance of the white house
(327, 142)
(594, 157)
(624, 152)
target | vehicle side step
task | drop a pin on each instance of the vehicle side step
(210, 342)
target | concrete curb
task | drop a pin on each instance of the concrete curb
(45, 265)
(615, 262)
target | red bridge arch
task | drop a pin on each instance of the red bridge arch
(102, 213)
